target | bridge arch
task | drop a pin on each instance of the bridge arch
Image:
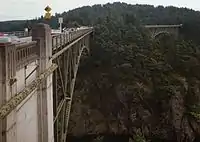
(156, 30)
(161, 33)
(65, 76)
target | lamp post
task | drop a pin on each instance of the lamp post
(26, 32)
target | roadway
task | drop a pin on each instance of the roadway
(25, 39)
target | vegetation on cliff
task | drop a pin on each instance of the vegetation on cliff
(147, 89)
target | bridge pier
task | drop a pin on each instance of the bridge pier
(4, 86)
(42, 34)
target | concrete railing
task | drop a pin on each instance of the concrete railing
(19, 55)
(163, 26)
(65, 38)
(19, 34)
(25, 54)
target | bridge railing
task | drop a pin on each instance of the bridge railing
(19, 55)
(67, 37)
(19, 34)
(22, 54)
(163, 26)
(25, 54)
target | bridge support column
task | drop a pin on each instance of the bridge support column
(3, 88)
(42, 34)
(7, 90)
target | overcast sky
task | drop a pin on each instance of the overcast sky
(27, 9)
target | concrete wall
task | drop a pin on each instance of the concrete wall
(22, 123)
(27, 110)
(32, 119)
(26, 123)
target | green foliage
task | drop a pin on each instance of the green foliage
(195, 115)
(155, 71)
(139, 139)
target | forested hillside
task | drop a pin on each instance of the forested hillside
(145, 14)
(132, 86)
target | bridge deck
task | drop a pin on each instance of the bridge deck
(163, 26)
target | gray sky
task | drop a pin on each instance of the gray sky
(26, 9)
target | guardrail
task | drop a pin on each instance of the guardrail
(67, 37)
(163, 26)
(25, 53)
(19, 34)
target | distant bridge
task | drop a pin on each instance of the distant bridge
(156, 30)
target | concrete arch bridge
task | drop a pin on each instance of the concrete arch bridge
(156, 30)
